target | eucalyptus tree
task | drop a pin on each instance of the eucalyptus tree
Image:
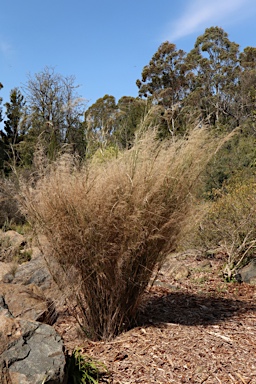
(129, 117)
(246, 96)
(164, 80)
(214, 62)
(100, 119)
(248, 58)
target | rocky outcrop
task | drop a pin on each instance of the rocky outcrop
(30, 352)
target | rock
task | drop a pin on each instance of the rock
(27, 302)
(247, 274)
(34, 271)
(6, 269)
(14, 238)
(30, 353)
(35, 251)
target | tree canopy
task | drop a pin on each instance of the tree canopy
(213, 84)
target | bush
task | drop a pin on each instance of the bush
(9, 206)
(110, 225)
(237, 156)
(231, 224)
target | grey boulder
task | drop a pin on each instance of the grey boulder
(247, 274)
(30, 352)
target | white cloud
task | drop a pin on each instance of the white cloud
(202, 13)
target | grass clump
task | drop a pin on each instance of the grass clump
(110, 225)
(85, 370)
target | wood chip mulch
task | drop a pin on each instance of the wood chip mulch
(199, 330)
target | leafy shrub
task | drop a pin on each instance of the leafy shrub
(237, 156)
(110, 225)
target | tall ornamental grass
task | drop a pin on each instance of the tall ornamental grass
(110, 224)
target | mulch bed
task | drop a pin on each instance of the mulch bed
(199, 330)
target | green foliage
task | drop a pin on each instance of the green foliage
(248, 58)
(22, 229)
(100, 120)
(236, 157)
(104, 155)
(164, 76)
(130, 114)
(12, 134)
(85, 370)
(214, 60)
(211, 84)
(246, 94)
(164, 80)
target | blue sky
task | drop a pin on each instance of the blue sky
(106, 43)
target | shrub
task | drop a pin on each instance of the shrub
(237, 156)
(110, 225)
(9, 208)
(231, 224)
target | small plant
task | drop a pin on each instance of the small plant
(22, 229)
(85, 370)
(13, 269)
(23, 256)
(5, 242)
(6, 225)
